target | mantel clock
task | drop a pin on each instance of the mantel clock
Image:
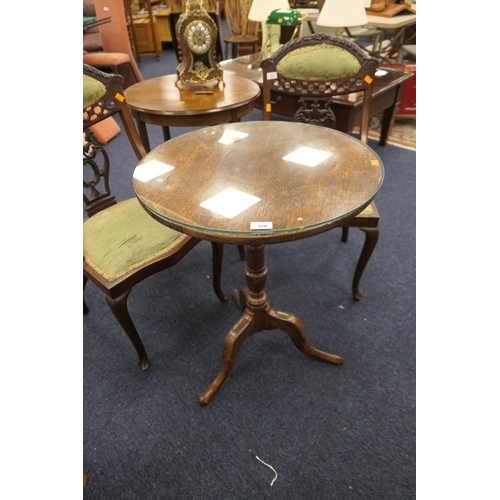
(196, 34)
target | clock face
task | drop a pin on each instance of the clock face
(198, 37)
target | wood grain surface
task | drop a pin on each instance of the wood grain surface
(160, 96)
(298, 200)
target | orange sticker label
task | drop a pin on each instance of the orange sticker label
(268, 107)
(280, 20)
(368, 79)
(119, 97)
(375, 163)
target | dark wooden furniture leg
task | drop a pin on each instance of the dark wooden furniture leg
(119, 308)
(166, 133)
(143, 134)
(85, 308)
(217, 252)
(234, 116)
(389, 117)
(241, 250)
(371, 239)
(259, 315)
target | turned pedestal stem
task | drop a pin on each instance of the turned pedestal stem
(259, 315)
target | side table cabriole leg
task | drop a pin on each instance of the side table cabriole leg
(259, 315)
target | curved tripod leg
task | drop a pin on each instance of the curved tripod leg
(230, 349)
(259, 315)
(293, 327)
(345, 234)
(85, 308)
(239, 297)
(217, 253)
(119, 309)
(371, 239)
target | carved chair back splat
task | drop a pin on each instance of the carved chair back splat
(122, 244)
(320, 68)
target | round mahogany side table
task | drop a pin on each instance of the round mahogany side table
(158, 101)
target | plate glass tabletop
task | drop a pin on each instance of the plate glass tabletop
(275, 181)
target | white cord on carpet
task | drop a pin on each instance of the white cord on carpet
(275, 477)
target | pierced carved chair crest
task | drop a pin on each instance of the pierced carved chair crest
(318, 67)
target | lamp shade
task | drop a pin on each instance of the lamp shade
(342, 13)
(260, 9)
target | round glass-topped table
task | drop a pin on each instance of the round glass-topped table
(258, 183)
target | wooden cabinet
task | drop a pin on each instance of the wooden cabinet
(144, 33)
(149, 26)
(163, 33)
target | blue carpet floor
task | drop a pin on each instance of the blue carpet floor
(329, 432)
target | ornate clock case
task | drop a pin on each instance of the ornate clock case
(196, 34)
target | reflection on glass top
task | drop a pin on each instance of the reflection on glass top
(230, 135)
(230, 202)
(309, 157)
(151, 170)
(228, 186)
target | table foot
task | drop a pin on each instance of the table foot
(230, 349)
(293, 327)
(259, 315)
(207, 395)
(255, 321)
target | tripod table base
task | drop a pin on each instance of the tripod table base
(259, 315)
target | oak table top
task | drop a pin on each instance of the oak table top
(158, 101)
(255, 183)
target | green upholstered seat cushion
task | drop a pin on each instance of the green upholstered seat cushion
(318, 62)
(93, 90)
(124, 237)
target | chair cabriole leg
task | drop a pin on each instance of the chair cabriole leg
(370, 242)
(119, 309)
(85, 308)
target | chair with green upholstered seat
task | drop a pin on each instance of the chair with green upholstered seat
(321, 68)
(122, 244)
